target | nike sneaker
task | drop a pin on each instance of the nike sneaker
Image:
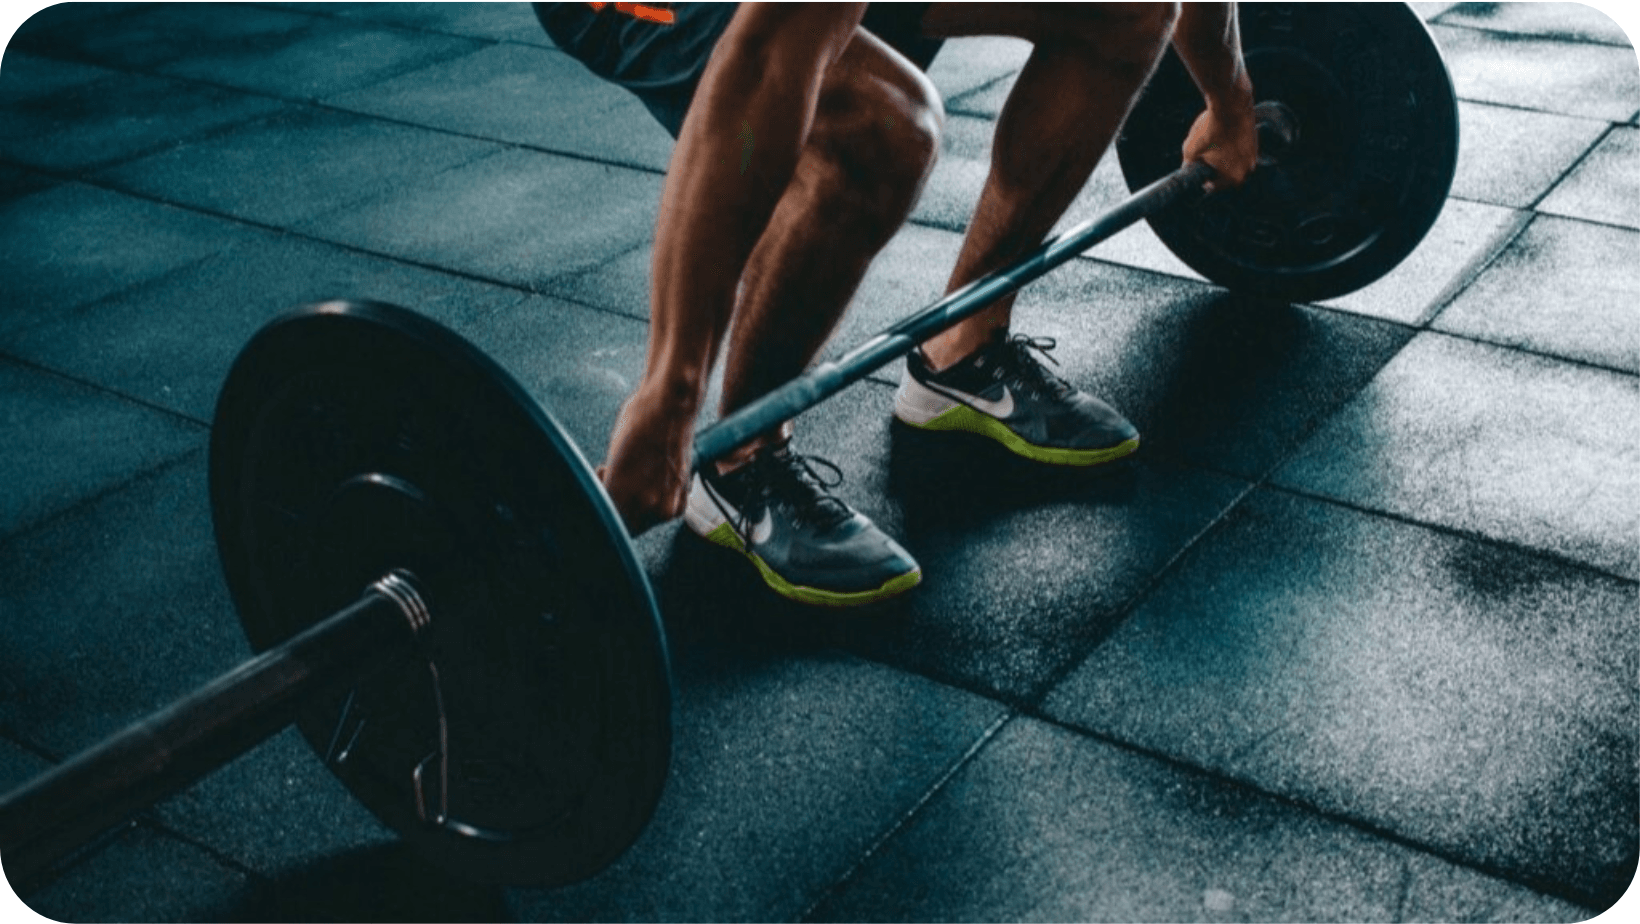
(809, 546)
(1005, 393)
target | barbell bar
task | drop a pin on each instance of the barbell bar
(443, 599)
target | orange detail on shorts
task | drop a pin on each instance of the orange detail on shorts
(641, 11)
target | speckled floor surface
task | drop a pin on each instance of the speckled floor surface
(1357, 636)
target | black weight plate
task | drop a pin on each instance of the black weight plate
(1361, 185)
(354, 438)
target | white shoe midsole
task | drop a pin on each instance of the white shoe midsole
(702, 514)
(916, 403)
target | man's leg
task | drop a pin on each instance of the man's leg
(872, 144)
(1088, 65)
(874, 141)
(1087, 68)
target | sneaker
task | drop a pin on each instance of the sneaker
(809, 546)
(1005, 393)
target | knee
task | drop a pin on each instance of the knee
(880, 141)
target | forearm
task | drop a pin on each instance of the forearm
(735, 156)
(1208, 40)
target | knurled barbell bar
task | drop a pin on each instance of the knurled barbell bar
(445, 602)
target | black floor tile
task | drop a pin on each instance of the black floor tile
(115, 118)
(278, 812)
(294, 166)
(1573, 22)
(1469, 698)
(1520, 448)
(72, 244)
(1511, 157)
(517, 217)
(1595, 81)
(1023, 568)
(1562, 288)
(1045, 825)
(786, 769)
(114, 611)
(1605, 187)
(523, 95)
(62, 442)
(24, 76)
(172, 342)
(142, 876)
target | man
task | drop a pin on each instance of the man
(805, 133)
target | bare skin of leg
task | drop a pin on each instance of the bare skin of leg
(1064, 110)
(874, 111)
(874, 142)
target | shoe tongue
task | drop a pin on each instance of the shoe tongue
(1022, 363)
(805, 492)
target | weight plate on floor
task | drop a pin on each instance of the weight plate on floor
(1360, 185)
(528, 737)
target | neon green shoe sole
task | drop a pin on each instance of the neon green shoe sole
(965, 419)
(725, 536)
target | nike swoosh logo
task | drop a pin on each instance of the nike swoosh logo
(999, 409)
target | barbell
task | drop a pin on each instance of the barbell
(444, 601)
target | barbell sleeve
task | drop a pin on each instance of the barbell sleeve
(50, 816)
(828, 378)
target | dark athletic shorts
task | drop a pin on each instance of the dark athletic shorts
(662, 63)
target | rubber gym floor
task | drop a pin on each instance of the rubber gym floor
(1353, 638)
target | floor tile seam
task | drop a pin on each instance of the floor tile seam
(1592, 222)
(422, 29)
(74, 858)
(1545, 555)
(363, 26)
(134, 479)
(1554, 358)
(312, 238)
(1540, 110)
(1611, 128)
(950, 681)
(209, 133)
(590, 306)
(322, 103)
(1533, 352)
(124, 289)
(150, 819)
(1536, 110)
(1496, 246)
(956, 100)
(145, 819)
(905, 819)
(1033, 700)
(1543, 885)
(288, 108)
(929, 224)
(100, 388)
(379, 195)
(1531, 110)
(1509, 34)
(118, 68)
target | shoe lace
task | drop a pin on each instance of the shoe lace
(803, 485)
(1018, 367)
